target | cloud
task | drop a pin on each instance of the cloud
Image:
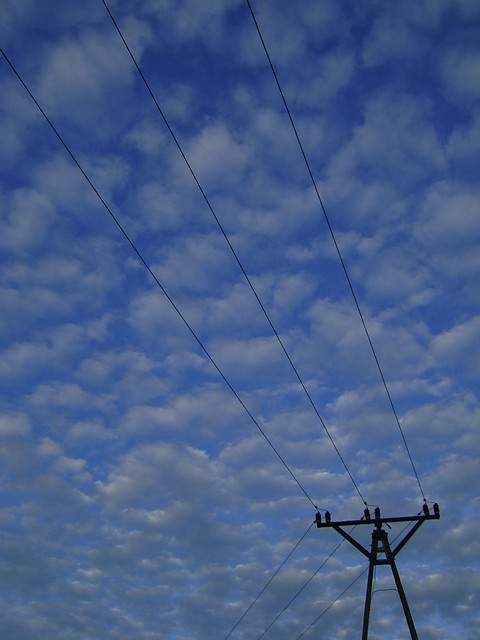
(15, 425)
(191, 264)
(458, 345)
(21, 359)
(99, 63)
(392, 37)
(331, 73)
(450, 215)
(28, 215)
(461, 74)
(189, 21)
(441, 419)
(160, 458)
(139, 498)
(216, 156)
(378, 148)
(447, 227)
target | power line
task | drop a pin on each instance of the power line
(331, 604)
(222, 230)
(158, 283)
(145, 264)
(301, 589)
(357, 304)
(270, 580)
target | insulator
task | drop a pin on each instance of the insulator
(366, 513)
(377, 513)
(436, 510)
(426, 510)
(328, 517)
(318, 519)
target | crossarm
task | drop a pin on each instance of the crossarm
(348, 537)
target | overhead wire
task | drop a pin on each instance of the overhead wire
(249, 282)
(234, 253)
(331, 604)
(269, 581)
(292, 600)
(330, 228)
(156, 280)
(170, 300)
(203, 348)
(152, 274)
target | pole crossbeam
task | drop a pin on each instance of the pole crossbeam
(367, 519)
(381, 545)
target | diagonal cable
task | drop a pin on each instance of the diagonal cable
(357, 304)
(331, 604)
(301, 589)
(270, 580)
(209, 205)
(158, 283)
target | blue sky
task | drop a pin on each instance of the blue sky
(139, 499)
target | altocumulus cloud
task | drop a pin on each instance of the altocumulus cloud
(139, 498)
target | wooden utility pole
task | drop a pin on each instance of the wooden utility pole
(381, 545)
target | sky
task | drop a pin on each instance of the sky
(160, 459)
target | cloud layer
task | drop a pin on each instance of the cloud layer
(139, 498)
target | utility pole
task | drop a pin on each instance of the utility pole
(381, 545)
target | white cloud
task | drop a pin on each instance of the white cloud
(245, 356)
(332, 73)
(450, 215)
(457, 478)
(161, 473)
(91, 431)
(448, 228)
(216, 156)
(61, 395)
(459, 346)
(148, 137)
(461, 73)
(22, 359)
(28, 216)
(188, 20)
(441, 421)
(392, 37)
(100, 64)
(205, 413)
(191, 264)
(14, 424)
(396, 135)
